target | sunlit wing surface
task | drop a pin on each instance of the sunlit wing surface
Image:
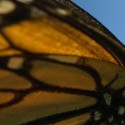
(60, 37)
(55, 68)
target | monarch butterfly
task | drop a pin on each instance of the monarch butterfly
(50, 69)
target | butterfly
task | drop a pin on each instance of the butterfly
(58, 65)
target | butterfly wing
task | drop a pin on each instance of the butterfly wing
(50, 66)
(61, 94)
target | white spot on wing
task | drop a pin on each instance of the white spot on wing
(122, 122)
(6, 6)
(97, 116)
(15, 62)
(110, 119)
(123, 93)
(107, 98)
(121, 110)
(62, 11)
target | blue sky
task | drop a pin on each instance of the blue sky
(111, 13)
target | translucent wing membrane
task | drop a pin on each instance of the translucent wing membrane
(50, 32)
(57, 69)
(69, 85)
